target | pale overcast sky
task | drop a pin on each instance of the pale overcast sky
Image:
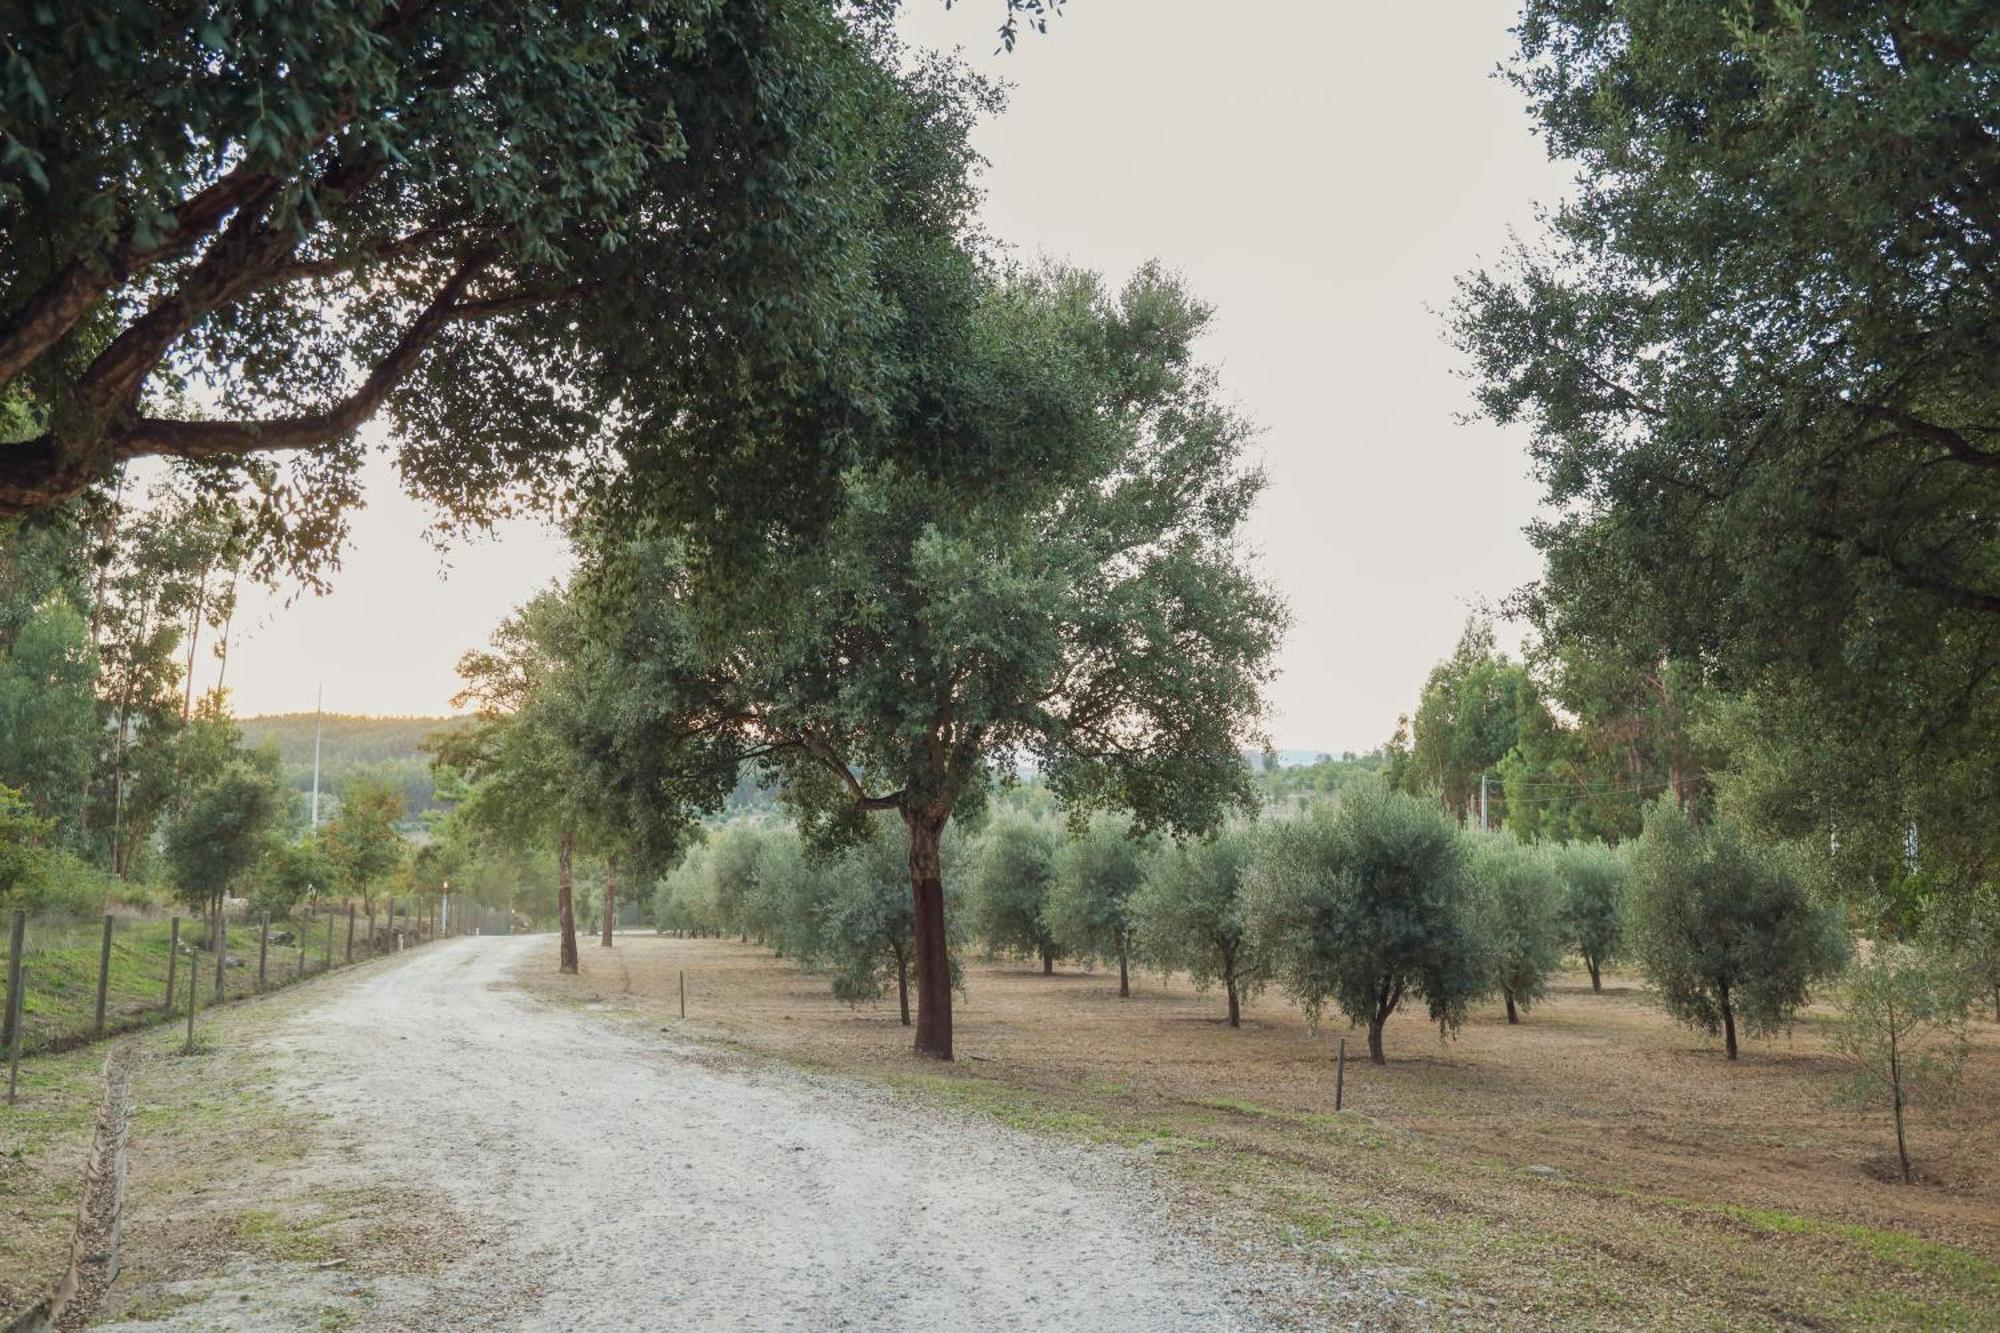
(1320, 172)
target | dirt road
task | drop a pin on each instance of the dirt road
(615, 1179)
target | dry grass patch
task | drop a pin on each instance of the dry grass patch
(1595, 1163)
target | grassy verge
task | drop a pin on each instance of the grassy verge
(60, 966)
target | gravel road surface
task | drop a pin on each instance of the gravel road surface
(617, 1179)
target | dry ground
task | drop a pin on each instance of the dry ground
(1595, 1164)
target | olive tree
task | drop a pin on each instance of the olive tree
(1190, 915)
(1008, 883)
(1726, 931)
(1520, 926)
(1368, 902)
(1089, 906)
(1593, 878)
(1902, 1028)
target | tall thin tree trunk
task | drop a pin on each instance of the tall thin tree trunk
(933, 954)
(903, 983)
(565, 900)
(1235, 1003)
(1124, 980)
(610, 897)
(1375, 1039)
(194, 640)
(1513, 1013)
(1728, 1023)
(1596, 980)
(1048, 960)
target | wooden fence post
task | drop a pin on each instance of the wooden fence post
(103, 975)
(17, 943)
(263, 945)
(221, 945)
(350, 929)
(188, 1048)
(329, 939)
(1340, 1075)
(371, 925)
(173, 962)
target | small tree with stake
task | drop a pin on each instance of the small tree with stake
(1902, 1027)
(1368, 904)
(1190, 916)
(1726, 932)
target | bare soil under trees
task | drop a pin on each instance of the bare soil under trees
(1595, 1162)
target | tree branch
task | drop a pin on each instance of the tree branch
(223, 439)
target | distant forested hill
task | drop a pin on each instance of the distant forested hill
(390, 748)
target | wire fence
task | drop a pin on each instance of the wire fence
(74, 980)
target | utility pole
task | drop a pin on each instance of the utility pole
(318, 701)
(1483, 825)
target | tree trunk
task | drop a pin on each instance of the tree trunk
(1235, 1003)
(610, 897)
(1596, 980)
(903, 985)
(1375, 1039)
(1513, 1013)
(933, 953)
(1728, 1024)
(1048, 961)
(1124, 979)
(565, 900)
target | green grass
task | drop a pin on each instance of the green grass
(60, 964)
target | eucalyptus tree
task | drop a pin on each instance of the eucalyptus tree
(1756, 350)
(1074, 597)
(452, 213)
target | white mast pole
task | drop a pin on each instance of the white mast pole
(317, 702)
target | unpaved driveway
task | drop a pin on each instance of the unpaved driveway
(617, 1180)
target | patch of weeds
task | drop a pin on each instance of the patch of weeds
(1896, 1249)
(288, 1239)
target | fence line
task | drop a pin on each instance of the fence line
(62, 992)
